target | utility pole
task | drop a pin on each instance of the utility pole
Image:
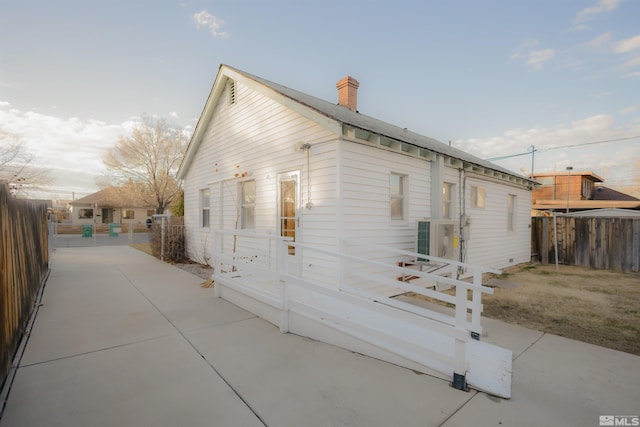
(533, 154)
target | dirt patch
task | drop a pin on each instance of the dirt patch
(596, 306)
(200, 270)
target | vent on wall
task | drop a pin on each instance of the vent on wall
(231, 89)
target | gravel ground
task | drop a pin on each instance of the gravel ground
(202, 271)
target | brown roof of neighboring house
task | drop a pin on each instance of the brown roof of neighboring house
(606, 193)
(113, 197)
(586, 204)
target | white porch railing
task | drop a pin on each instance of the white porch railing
(357, 266)
(259, 265)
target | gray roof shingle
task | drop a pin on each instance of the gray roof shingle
(373, 125)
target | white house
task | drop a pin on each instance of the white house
(272, 158)
(360, 199)
(109, 205)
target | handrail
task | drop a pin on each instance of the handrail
(430, 257)
(423, 274)
(253, 233)
(460, 300)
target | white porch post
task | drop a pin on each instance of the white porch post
(460, 350)
(282, 252)
(476, 305)
(217, 261)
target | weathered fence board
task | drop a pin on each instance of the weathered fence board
(604, 243)
(24, 262)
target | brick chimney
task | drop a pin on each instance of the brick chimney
(348, 93)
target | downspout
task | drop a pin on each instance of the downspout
(462, 185)
(342, 267)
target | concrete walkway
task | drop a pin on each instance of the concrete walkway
(122, 339)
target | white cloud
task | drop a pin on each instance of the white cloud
(173, 115)
(624, 56)
(66, 146)
(538, 57)
(205, 19)
(631, 63)
(631, 108)
(592, 157)
(603, 40)
(634, 75)
(602, 7)
(627, 45)
(533, 58)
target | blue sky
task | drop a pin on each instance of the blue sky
(493, 77)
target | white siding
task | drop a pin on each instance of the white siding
(367, 214)
(490, 243)
(366, 195)
(139, 215)
(256, 137)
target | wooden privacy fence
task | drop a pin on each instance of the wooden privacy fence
(24, 263)
(605, 243)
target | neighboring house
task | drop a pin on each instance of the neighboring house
(110, 205)
(267, 157)
(575, 191)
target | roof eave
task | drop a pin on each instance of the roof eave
(203, 121)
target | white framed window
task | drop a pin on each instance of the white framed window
(248, 204)
(477, 196)
(205, 207)
(511, 212)
(397, 191)
(447, 197)
(150, 212)
(85, 213)
(128, 214)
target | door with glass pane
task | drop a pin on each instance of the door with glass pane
(288, 188)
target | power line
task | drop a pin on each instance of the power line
(564, 146)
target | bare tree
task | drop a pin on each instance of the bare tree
(16, 169)
(149, 158)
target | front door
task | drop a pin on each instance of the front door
(107, 215)
(288, 188)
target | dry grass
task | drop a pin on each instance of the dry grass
(596, 306)
(144, 247)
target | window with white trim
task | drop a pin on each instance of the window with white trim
(397, 192)
(477, 196)
(205, 206)
(248, 204)
(128, 214)
(447, 206)
(511, 212)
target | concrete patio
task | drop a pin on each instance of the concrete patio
(122, 339)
